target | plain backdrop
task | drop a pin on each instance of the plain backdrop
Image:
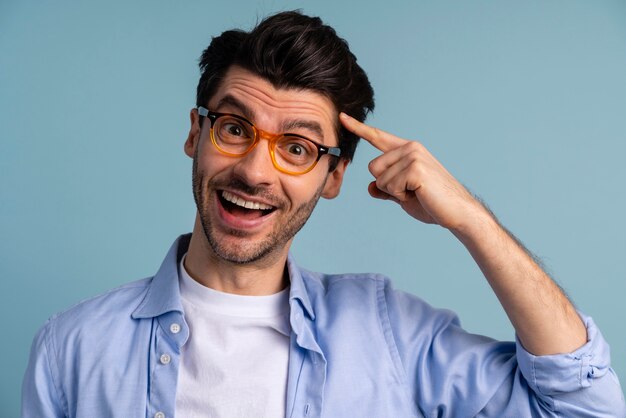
(524, 102)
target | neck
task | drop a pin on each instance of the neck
(262, 277)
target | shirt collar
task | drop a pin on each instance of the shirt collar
(163, 294)
(298, 287)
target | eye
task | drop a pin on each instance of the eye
(233, 128)
(296, 149)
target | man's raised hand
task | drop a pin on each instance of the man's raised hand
(409, 175)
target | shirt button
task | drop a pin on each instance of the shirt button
(165, 359)
(159, 415)
(175, 328)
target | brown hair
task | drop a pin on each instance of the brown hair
(292, 50)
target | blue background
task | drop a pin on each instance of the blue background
(525, 102)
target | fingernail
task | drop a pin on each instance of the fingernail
(344, 116)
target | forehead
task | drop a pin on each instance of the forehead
(272, 107)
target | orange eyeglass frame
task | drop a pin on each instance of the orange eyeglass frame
(272, 139)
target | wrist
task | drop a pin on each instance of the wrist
(477, 227)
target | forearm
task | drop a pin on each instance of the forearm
(408, 174)
(544, 319)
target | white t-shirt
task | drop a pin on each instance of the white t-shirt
(234, 364)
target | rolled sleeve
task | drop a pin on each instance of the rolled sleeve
(561, 373)
(580, 383)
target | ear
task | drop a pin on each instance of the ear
(194, 133)
(334, 180)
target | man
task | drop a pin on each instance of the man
(230, 326)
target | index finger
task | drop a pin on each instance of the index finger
(380, 139)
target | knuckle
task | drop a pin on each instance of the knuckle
(415, 171)
(381, 185)
(395, 191)
(373, 168)
(413, 156)
(376, 132)
(415, 147)
(395, 187)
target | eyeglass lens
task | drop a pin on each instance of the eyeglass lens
(236, 136)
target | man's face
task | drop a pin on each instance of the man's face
(247, 208)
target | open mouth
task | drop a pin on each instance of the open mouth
(242, 208)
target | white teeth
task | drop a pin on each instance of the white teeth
(244, 203)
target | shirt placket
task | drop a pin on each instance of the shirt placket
(170, 332)
(307, 371)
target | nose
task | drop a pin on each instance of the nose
(256, 167)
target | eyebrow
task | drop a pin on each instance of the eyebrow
(310, 125)
(229, 100)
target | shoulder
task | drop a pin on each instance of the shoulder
(316, 281)
(323, 283)
(115, 305)
(375, 291)
(346, 287)
(111, 300)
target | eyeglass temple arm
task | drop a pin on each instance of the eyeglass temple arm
(336, 151)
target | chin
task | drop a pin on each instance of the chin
(242, 250)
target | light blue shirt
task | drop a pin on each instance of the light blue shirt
(358, 348)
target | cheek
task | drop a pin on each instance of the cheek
(302, 189)
(211, 162)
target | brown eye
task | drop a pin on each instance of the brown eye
(296, 149)
(233, 129)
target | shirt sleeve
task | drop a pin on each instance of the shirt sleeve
(453, 373)
(40, 394)
(576, 381)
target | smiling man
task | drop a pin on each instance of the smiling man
(251, 202)
(230, 326)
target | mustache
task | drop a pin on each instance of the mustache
(238, 185)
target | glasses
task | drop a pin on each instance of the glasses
(235, 136)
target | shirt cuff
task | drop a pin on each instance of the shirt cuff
(561, 373)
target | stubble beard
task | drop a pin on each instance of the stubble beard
(245, 252)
